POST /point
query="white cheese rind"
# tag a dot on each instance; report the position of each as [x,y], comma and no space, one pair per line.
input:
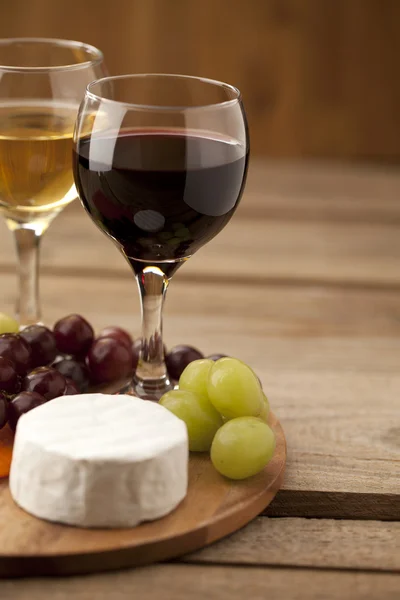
[96,460]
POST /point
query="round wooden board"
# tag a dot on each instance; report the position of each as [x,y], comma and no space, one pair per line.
[213,508]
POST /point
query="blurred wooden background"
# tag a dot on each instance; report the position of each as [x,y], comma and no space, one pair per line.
[319,77]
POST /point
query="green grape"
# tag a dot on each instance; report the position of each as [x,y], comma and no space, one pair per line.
[164,236]
[195,376]
[242,447]
[8,324]
[264,414]
[183,232]
[175,241]
[177,226]
[201,418]
[234,389]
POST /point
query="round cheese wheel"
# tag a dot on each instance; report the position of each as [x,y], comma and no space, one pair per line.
[99,460]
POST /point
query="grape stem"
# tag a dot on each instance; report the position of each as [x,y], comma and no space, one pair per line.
[151,379]
[27,243]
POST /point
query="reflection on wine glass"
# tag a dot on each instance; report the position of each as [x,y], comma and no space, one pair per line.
[160,163]
[42,82]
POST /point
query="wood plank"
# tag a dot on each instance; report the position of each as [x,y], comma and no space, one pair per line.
[321,191]
[313,230]
[178,582]
[341,254]
[305,329]
[329,367]
[317,80]
[316,543]
[328,505]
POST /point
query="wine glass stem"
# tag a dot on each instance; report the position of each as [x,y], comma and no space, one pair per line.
[27,243]
[151,378]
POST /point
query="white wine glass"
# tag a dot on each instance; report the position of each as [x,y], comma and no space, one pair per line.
[42,82]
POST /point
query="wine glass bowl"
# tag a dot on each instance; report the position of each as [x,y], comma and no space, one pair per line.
[160,164]
[42,82]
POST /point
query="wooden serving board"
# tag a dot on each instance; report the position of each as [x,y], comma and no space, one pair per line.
[213,508]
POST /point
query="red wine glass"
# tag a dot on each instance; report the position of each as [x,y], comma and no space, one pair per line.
[160,164]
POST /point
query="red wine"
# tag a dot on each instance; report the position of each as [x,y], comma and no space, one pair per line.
[160,194]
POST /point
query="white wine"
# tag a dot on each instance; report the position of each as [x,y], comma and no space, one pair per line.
[36,177]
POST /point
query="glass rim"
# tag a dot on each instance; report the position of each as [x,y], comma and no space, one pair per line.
[59,42]
[160,107]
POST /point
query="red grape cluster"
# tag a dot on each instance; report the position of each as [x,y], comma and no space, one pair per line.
[38,364]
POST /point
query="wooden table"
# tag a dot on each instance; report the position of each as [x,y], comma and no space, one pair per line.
[304,284]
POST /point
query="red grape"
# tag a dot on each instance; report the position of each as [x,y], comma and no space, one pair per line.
[46,381]
[136,347]
[16,349]
[179,357]
[109,360]
[117,333]
[21,404]
[74,335]
[42,343]
[74,370]
[4,410]
[9,380]
[216,357]
[71,388]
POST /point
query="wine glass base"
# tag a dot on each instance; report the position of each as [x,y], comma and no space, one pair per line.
[148,389]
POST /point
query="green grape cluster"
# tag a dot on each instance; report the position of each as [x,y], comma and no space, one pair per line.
[226,413]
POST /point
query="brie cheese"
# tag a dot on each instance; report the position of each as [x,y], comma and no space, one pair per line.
[99,460]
